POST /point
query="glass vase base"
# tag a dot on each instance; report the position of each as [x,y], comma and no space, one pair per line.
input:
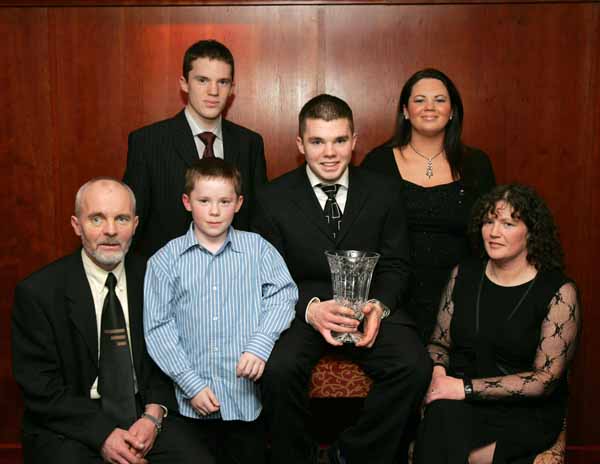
[346,337]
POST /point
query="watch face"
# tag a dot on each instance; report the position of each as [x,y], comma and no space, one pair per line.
[468,390]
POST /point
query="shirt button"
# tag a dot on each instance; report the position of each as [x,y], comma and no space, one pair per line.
[216,349]
[215,288]
[215,318]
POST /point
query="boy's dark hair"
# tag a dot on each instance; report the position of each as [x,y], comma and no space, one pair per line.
[325,107]
[212,168]
[210,49]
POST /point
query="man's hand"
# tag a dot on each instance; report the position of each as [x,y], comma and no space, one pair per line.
[205,402]
[250,366]
[328,316]
[146,433]
[145,430]
[122,447]
[444,387]
[371,324]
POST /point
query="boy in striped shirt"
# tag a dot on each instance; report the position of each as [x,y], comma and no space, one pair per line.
[216,300]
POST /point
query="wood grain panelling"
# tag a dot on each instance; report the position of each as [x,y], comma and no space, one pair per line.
[76,81]
[28,170]
[584,249]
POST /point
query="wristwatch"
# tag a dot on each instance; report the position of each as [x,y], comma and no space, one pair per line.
[155,420]
[468,388]
[384,308]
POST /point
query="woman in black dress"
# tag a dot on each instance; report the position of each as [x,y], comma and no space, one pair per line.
[441,178]
[505,335]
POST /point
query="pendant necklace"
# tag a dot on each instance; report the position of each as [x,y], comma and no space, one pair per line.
[429,170]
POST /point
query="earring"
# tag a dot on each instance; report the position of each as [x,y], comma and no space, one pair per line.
[450,118]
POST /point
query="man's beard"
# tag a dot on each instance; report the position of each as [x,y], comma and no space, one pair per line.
[113,258]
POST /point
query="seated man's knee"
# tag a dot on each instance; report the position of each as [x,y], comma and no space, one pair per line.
[283,369]
[419,369]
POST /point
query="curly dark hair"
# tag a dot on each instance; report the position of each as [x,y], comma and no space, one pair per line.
[544,250]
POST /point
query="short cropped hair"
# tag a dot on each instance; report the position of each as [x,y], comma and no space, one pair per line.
[544,250]
[210,49]
[212,168]
[89,183]
[327,108]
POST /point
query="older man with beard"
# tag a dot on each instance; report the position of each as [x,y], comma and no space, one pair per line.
[91,392]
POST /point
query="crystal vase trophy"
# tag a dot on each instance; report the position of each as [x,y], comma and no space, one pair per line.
[351,273]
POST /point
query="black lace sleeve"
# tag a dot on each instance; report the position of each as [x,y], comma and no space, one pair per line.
[440,342]
[558,339]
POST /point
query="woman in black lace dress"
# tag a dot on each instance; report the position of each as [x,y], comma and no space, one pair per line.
[441,178]
[505,335]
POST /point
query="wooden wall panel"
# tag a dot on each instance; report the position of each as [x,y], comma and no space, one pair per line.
[76,81]
[28,171]
[584,252]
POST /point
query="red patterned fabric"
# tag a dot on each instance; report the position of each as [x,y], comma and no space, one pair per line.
[338,377]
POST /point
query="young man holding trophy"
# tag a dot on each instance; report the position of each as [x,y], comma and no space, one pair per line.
[328,205]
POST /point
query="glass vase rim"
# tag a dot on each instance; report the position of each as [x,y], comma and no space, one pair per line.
[352,254]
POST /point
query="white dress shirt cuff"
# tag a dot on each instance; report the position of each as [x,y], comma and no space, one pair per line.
[314,299]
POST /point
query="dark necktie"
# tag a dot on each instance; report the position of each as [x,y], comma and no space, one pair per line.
[208,138]
[115,373]
[332,211]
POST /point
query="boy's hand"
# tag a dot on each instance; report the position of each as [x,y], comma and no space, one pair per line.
[205,402]
[250,366]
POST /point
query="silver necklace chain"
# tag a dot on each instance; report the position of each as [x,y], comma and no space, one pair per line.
[429,170]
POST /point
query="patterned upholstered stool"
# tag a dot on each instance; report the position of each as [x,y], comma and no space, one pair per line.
[337,377]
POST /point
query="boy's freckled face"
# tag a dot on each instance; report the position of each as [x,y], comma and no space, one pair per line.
[213,203]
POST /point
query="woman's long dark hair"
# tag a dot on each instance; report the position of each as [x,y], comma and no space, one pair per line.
[452,137]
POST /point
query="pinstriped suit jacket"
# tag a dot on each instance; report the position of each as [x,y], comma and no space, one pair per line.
[157,159]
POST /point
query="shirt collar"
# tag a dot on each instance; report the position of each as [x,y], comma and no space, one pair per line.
[232,240]
[314,179]
[97,276]
[198,129]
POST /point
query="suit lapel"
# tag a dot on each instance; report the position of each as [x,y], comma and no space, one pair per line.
[80,305]
[305,199]
[231,144]
[183,140]
[355,201]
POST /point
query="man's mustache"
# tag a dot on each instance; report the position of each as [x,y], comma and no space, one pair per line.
[110,242]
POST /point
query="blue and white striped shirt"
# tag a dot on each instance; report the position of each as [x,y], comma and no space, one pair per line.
[203,310]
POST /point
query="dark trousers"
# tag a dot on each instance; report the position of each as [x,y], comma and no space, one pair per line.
[175,444]
[397,363]
[228,442]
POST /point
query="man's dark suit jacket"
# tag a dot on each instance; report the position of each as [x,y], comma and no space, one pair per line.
[291,218]
[55,351]
[157,159]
